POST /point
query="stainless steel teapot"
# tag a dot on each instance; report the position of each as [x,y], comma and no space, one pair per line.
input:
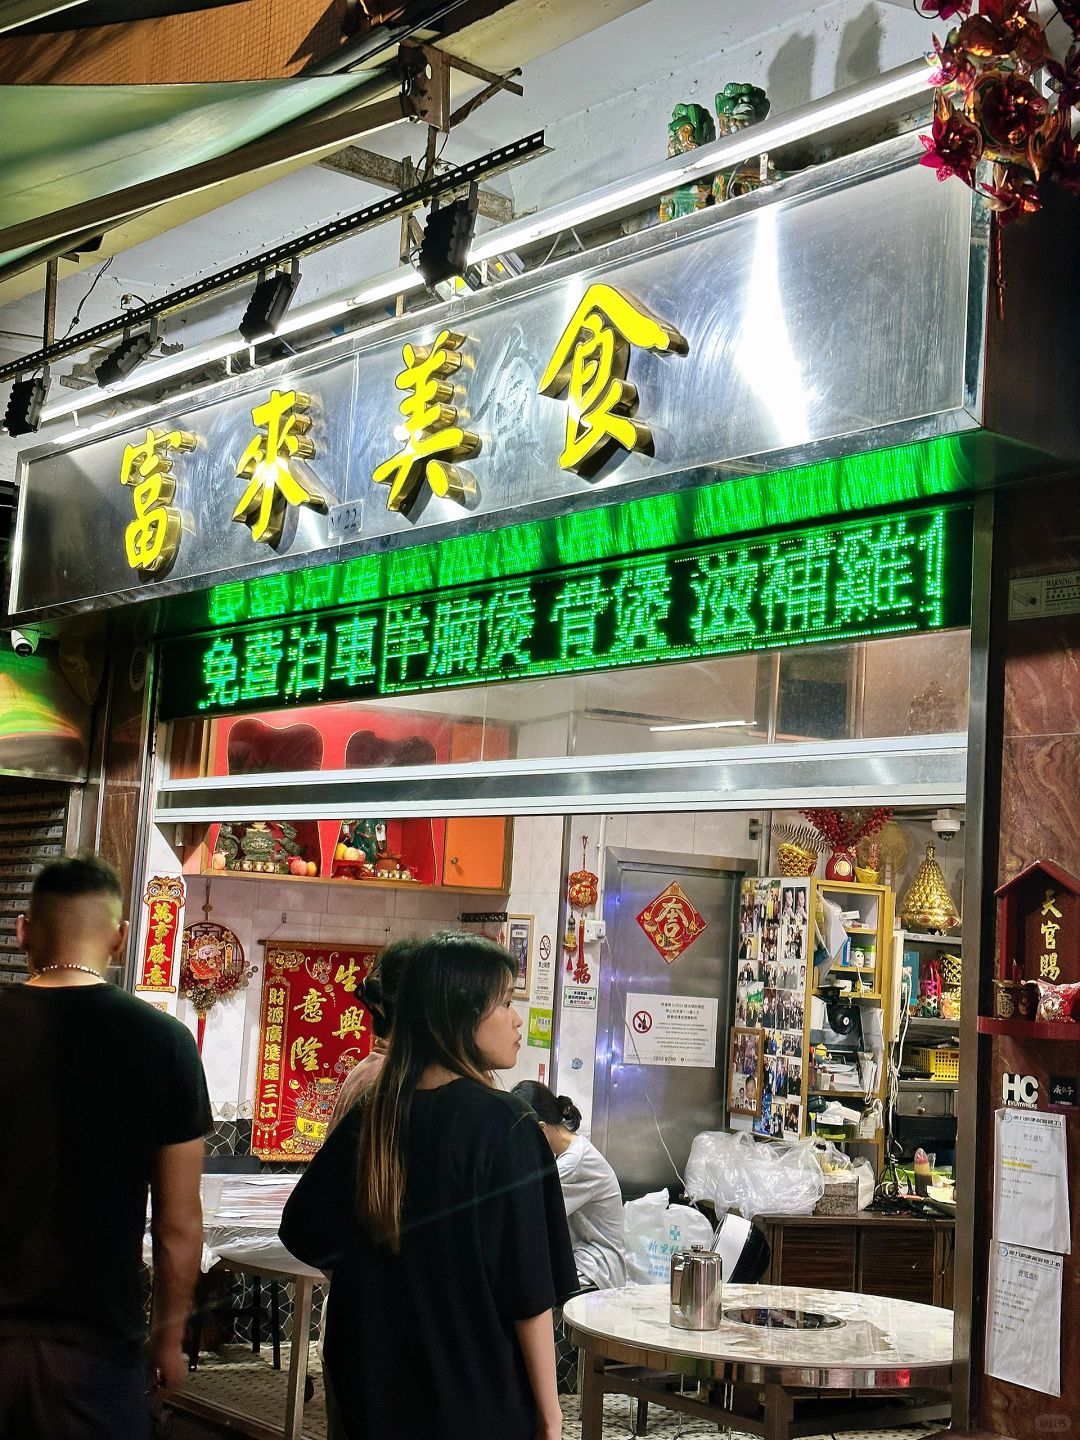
[696,1289]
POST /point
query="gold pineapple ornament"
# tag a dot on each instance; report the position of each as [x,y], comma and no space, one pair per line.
[928,904]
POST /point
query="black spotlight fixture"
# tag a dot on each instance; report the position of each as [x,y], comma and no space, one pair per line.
[23,413]
[448,233]
[269,301]
[132,351]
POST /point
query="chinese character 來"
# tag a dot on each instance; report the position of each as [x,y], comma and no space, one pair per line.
[433,435]
[267,464]
[590,365]
[153,537]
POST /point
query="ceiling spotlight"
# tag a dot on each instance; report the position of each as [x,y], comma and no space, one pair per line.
[132,351]
[269,301]
[23,413]
[448,233]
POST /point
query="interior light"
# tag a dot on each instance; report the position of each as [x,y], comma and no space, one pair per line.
[706,725]
[23,413]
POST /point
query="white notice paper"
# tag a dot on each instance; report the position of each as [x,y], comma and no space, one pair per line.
[1023,1320]
[1031,1190]
[670,1030]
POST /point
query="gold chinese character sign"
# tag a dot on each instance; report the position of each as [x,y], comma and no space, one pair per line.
[433,435]
[590,366]
[268,466]
[153,537]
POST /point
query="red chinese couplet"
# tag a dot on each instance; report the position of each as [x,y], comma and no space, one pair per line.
[165,898]
[313,1030]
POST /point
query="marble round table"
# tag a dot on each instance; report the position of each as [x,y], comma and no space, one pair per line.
[880,1346]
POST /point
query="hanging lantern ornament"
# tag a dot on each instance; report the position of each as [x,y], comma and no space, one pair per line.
[211,966]
[581,894]
[928,905]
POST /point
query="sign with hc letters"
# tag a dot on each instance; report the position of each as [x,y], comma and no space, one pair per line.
[313,1030]
[1021,1091]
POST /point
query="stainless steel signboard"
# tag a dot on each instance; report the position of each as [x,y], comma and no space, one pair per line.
[825,317]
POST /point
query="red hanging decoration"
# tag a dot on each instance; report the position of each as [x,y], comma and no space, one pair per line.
[211,966]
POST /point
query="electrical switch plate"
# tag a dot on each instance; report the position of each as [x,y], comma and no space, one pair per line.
[595,930]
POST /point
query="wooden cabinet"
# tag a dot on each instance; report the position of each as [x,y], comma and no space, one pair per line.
[477,852]
[904,1257]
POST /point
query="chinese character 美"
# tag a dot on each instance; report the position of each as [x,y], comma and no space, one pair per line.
[508,619]
[351,1023]
[311,1006]
[590,364]
[354,650]
[1048,906]
[1048,966]
[267,465]
[346,975]
[305,1053]
[153,537]
[432,433]
[725,585]
[455,650]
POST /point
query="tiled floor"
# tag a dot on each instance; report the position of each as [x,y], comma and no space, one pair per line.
[249,1384]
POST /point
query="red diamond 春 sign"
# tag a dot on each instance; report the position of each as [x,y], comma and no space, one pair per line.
[671,922]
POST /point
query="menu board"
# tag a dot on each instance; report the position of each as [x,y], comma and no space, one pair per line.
[32,828]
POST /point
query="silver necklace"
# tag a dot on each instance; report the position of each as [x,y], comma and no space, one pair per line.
[86,970]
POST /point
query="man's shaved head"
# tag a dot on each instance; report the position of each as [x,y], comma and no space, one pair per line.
[74,904]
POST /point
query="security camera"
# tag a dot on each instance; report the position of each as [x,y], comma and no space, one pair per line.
[946,824]
[24,642]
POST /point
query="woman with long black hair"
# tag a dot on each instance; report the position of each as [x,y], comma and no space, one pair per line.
[437,1206]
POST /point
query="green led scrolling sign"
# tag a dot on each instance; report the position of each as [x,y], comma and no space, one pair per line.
[846,581]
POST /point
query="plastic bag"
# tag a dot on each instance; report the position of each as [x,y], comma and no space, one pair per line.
[735,1172]
[654,1231]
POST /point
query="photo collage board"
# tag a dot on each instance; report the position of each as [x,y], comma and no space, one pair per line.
[774,930]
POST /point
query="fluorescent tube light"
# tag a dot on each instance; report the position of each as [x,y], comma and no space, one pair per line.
[705,725]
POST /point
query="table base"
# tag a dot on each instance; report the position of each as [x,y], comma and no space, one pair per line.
[772,1411]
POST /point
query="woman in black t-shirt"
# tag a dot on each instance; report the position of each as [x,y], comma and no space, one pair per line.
[437,1205]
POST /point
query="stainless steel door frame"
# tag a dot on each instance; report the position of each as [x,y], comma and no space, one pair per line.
[618,862]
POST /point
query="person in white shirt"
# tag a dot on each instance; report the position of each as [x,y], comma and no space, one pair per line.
[591,1193]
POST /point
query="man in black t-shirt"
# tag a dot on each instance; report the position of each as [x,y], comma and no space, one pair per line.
[103,1098]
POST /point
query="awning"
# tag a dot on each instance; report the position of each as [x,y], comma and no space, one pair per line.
[78,159]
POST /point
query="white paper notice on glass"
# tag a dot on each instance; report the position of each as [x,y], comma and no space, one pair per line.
[1023,1320]
[670,1030]
[1031,1175]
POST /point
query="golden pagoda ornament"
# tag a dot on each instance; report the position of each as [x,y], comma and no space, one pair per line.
[928,905]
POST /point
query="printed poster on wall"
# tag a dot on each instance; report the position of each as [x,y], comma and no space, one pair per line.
[670,1030]
[1023,1318]
[313,1030]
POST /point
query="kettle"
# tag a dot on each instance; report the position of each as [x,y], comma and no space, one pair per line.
[696,1289]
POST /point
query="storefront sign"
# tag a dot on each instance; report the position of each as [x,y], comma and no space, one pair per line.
[676,1030]
[164,898]
[667,360]
[823,583]
[313,1030]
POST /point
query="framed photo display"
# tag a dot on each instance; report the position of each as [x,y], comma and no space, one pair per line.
[744,1076]
[519,941]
